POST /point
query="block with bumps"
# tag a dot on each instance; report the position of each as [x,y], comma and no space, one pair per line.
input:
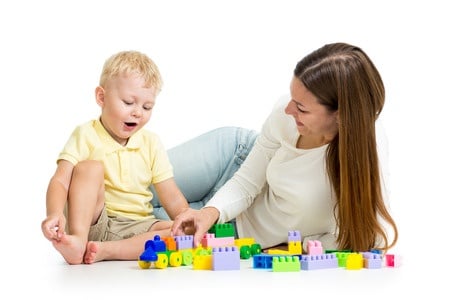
[320,261]
[225,258]
[285,264]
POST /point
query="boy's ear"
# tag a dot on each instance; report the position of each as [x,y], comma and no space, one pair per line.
[100,96]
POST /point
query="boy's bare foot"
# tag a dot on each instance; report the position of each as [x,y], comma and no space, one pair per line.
[71,248]
[92,254]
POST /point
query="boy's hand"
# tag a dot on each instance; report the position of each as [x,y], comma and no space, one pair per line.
[53,227]
[195,222]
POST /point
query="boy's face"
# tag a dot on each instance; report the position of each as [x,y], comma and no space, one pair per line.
[126,106]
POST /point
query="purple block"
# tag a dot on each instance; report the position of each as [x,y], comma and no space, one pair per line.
[226,258]
[320,261]
[372,260]
[184,242]
[294,236]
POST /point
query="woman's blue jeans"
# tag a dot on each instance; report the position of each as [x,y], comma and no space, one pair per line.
[203,164]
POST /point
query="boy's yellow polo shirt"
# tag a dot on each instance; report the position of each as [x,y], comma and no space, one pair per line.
[129,170]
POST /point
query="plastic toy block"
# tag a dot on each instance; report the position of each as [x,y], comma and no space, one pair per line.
[321,261]
[156,244]
[202,262]
[354,261]
[184,242]
[225,258]
[294,235]
[372,260]
[295,247]
[278,251]
[342,258]
[170,243]
[187,257]
[314,247]
[391,260]
[223,230]
[335,250]
[285,264]
[262,261]
[244,242]
[209,240]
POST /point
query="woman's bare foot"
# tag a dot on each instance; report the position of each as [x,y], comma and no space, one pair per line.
[71,248]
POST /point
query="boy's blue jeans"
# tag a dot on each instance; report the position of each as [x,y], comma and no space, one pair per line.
[203,164]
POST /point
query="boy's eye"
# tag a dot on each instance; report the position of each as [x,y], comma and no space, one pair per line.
[127,102]
[148,107]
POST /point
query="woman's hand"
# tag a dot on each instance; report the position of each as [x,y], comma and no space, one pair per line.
[195,222]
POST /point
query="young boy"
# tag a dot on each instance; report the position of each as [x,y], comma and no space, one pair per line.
[98,200]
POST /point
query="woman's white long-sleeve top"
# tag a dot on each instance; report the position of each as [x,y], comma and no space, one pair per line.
[280,188]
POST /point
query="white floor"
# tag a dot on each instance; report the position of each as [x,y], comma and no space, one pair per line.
[38,270]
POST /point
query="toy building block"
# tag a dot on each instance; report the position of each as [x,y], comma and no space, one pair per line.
[225,258]
[295,247]
[247,247]
[151,248]
[342,258]
[320,261]
[278,252]
[170,243]
[354,261]
[209,240]
[202,262]
[314,247]
[184,242]
[294,235]
[285,264]
[391,260]
[262,261]
[372,260]
[222,230]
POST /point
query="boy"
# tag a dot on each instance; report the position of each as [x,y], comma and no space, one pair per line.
[98,200]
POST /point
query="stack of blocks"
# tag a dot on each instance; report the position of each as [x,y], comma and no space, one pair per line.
[220,250]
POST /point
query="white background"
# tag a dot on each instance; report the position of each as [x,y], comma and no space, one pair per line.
[223,63]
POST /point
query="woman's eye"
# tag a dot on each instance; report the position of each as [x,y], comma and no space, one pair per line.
[300,110]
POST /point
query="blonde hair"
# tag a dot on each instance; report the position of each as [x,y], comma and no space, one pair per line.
[132,62]
[344,79]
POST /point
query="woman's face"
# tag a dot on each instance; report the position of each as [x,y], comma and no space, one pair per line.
[312,118]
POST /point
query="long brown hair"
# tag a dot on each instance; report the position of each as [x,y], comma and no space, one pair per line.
[344,78]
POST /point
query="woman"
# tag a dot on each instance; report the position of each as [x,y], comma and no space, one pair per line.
[314,167]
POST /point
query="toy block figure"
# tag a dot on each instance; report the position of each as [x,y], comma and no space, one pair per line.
[262,261]
[314,247]
[285,264]
[184,242]
[294,236]
[223,230]
[354,261]
[372,260]
[225,258]
[321,261]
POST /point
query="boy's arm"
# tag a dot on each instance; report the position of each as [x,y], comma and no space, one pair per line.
[171,198]
[56,198]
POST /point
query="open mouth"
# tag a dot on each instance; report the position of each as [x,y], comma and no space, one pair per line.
[130,124]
